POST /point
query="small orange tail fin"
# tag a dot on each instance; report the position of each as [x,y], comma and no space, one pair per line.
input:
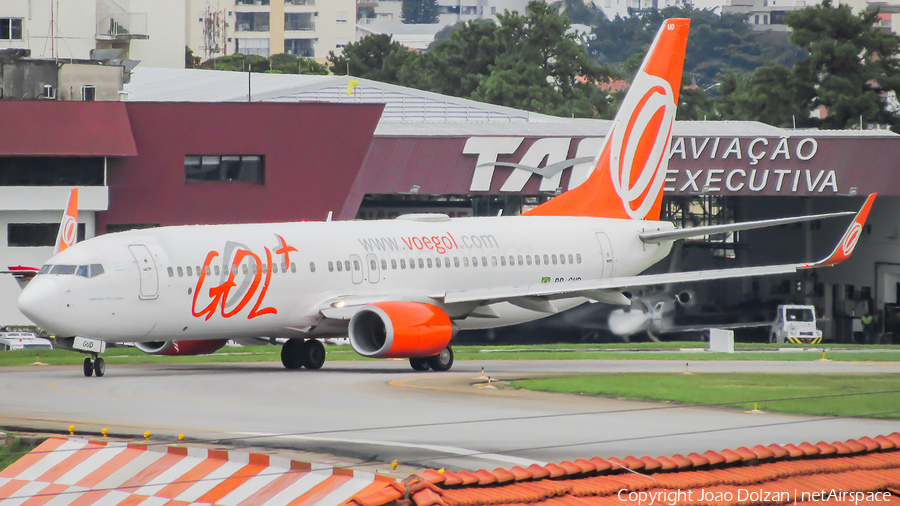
[628,176]
[68,226]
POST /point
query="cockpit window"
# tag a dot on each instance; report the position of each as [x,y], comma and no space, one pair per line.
[96,270]
[88,271]
[63,269]
[83,271]
[45,269]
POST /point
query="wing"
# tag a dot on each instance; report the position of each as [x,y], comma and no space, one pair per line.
[605,290]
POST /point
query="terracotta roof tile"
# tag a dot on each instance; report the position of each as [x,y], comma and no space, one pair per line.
[520,473]
[388,492]
[451,479]
[538,472]
[570,468]
[825,448]
[432,476]
[869,443]
[731,456]
[650,464]
[601,464]
[697,459]
[633,463]
[666,463]
[484,477]
[895,438]
[681,461]
[502,475]
[467,477]
[842,448]
[762,452]
[886,443]
[586,466]
[617,463]
[555,470]
[713,457]
[777,451]
[809,449]
[746,453]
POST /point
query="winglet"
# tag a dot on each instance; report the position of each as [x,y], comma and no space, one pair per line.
[68,226]
[845,247]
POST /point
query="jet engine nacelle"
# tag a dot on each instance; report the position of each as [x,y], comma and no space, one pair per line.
[181,348]
[400,329]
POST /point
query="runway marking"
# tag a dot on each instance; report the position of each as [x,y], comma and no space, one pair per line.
[452,450]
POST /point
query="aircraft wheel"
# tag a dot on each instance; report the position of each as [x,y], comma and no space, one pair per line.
[99,367]
[419,363]
[312,354]
[290,354]
[88,367]
[443,361]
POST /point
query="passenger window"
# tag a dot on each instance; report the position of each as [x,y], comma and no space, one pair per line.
[171,272]
[537,260]
[252,268]
[578,257]
[503,261]
[356,265]
[562,259]
[216,270]
[403,263]
[347,265]
[199,270]
[528,259]
[512,260]
[421,264]
[82,271]
[455,261]
[484,261]
[331,266]
[294,267]
[96,270]
[208,271]
[373,264]
[521,260]
[547,260]
[428,261]
[244,268]
[180,272]
[466,261]
[393,264]
[274,268]
[283,267]
[312,267]
[384,265]
[494,261]
[190,272]
[571,259]
[474,261]
[553,259]
[447,262]
[340,266]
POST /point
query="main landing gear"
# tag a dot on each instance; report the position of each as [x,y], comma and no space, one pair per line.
[441,362]
[308,353]
[94,365]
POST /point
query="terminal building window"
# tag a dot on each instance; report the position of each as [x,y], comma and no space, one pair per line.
[10,28]
[20,235]
[51,171]
[241,168]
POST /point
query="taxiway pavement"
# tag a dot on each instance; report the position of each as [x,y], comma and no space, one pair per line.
[382,410]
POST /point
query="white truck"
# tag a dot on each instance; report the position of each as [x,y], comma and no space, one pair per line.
[23,341]
[795,324]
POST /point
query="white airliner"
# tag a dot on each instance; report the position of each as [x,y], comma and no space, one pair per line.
[402,287]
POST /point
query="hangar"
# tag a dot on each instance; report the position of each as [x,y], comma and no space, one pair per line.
[190,149]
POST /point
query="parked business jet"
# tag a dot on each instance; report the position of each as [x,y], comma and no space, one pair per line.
[402,287]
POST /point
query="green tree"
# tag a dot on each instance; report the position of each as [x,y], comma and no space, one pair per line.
[543,68]
[852,65]
[419,11]
[190,61]
[772,95]
[289,64]
[374,57]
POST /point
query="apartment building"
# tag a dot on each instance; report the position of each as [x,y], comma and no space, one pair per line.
[151,31]
[309,28]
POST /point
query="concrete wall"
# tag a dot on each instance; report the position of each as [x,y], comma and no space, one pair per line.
[106,79]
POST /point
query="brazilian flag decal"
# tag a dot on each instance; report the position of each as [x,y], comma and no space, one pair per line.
[545,280]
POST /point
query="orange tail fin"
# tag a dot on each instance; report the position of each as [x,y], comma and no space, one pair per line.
[68,226]
[628,176]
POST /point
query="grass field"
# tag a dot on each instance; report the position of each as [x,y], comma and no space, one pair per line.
[615,351]
[13,450]
[814,394]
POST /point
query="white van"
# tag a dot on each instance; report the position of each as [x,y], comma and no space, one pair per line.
[795,324]
[23,341]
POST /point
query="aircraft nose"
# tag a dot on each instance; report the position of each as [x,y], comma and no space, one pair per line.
[39,301]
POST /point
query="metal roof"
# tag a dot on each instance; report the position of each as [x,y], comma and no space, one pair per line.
[402,104]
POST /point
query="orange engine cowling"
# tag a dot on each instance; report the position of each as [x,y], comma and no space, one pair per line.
[181,348]
[400,329]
